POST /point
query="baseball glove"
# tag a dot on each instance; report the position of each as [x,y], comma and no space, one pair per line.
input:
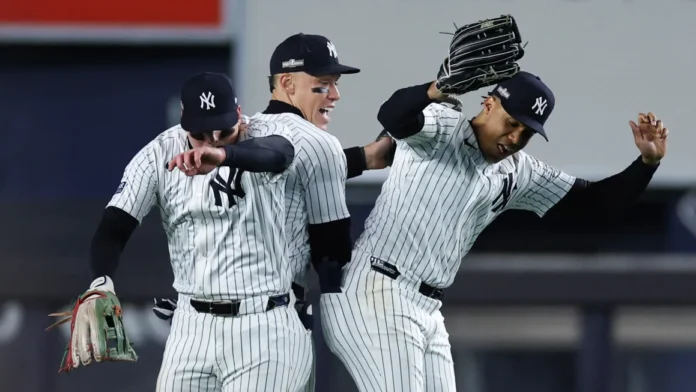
[96,330]
[481,54]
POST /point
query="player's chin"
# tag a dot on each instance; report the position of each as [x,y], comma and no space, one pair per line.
[322,123]
[495,156]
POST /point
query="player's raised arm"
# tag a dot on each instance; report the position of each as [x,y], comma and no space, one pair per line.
[620,191]
[272,154]
[409,114]
[269,150]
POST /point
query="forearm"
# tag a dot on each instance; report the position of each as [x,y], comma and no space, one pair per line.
[112,234]
[265,154]
[402,114]
[609,196]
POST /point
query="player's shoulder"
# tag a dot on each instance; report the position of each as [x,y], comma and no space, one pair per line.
[260,127]
[316,141]
[521,162]
[443,109]
[171,141]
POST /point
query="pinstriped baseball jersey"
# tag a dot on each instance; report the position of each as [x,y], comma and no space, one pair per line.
[441,193]
[315,189]
[225,238]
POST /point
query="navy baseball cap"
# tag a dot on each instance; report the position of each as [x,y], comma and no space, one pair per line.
[313,54]
[208,103]
[527,99]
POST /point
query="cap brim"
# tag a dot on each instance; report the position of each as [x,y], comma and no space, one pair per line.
[532,124]
[220,122]
[334,69]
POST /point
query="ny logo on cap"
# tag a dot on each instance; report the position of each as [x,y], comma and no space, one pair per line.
[539,106]
[207,100]
[332,49]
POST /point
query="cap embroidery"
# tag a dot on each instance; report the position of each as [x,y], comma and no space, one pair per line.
[208,101]
[332,49]
[292,63]
[539,106]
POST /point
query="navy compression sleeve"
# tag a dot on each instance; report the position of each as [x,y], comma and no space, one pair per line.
[402,114]
[356,161]
[108,242]
[271,154]
[608,196]
[331,241]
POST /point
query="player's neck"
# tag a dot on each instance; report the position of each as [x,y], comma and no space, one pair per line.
[286,99]
[282,98]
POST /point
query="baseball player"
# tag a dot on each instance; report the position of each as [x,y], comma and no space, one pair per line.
[452,176]
[304,71]
[219,187]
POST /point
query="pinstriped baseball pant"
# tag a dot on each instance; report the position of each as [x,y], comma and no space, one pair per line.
[390,337]
[256,352]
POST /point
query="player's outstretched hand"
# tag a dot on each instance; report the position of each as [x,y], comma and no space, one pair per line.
[201,160]
[650,135]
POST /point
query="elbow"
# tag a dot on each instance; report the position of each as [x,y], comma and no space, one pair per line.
[385,116]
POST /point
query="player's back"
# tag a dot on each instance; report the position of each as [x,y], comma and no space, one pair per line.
[225,239]
[437,199]
[316,153]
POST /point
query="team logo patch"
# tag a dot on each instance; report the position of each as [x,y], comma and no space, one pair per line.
[120,187]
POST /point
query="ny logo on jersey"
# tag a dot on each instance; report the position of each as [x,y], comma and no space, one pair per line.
[332,49]
[207,100]
[539,106]
[504,195]
[219,186]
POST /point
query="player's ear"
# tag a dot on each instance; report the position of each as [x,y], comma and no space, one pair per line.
[488,104]
[285,81]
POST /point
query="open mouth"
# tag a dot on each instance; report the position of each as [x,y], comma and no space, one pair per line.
[505,150]
[325,112]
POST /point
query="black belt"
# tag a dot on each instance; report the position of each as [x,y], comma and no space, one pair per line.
[299,292]
[231,308]
[390,271]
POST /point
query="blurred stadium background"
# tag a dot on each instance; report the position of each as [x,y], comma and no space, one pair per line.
[542,306]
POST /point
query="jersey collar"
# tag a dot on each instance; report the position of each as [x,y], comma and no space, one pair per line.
[278,107]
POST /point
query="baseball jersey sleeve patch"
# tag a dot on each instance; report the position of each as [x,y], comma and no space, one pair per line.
[120,187]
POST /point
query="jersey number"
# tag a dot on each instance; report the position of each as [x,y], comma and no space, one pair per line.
[504,195]
[220,185]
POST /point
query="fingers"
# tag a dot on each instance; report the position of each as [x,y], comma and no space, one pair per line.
[187,162]
[637,134]
[665,132]
[178,162]
[198,155]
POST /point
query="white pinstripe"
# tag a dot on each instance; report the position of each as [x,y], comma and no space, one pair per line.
[315,189]
[315,192]
[258,351]
[223,246]
[440,195]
